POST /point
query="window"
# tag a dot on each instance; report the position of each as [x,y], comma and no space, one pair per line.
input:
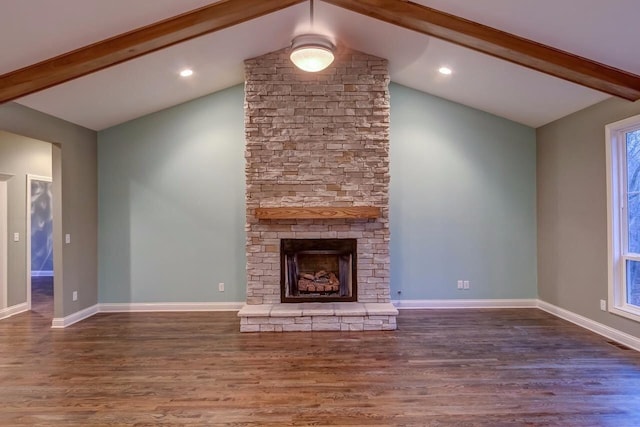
[623,191]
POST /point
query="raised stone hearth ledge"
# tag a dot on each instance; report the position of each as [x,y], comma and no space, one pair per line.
[355,212]
[339,316]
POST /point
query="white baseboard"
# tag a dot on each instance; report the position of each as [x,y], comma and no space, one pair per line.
[170,306]
[63,322]
[42,273]
[600,329]
[464,303]
[606,331]
[13,310]
[142,307]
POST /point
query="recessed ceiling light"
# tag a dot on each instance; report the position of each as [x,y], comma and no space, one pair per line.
[186,72]
[445,70]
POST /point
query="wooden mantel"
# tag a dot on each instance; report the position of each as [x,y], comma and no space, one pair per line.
[296,212]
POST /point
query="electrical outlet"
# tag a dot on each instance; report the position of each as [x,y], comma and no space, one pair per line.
[75,295]
[460,284]
[465,284]
[603,304]
[67,238]
[16,237]
[221,287]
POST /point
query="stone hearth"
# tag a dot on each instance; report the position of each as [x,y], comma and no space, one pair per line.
[317,140]
[337,316]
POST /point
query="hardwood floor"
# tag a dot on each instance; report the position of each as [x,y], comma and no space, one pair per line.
[441,368]
[42,296]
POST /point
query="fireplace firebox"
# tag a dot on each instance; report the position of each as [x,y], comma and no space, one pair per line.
[318,270]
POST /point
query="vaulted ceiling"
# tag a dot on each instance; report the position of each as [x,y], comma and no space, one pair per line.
[36,30]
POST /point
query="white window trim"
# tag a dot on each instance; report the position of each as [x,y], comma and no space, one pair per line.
[616,216]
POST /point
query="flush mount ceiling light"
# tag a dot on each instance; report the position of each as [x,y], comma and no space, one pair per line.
[445,70]
[311,52]
[186,72]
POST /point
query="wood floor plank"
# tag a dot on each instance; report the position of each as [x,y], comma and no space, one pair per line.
[502,367]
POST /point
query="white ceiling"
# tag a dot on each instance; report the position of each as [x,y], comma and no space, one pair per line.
[39,29]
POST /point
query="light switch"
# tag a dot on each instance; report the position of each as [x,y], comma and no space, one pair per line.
[16,237]
[67,238]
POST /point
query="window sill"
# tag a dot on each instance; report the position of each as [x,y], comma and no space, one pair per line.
[630,312]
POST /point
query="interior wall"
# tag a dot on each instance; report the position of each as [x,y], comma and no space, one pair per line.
[172,194]
[572,212]
[75,184]
[462,201]
[20,156]
[172,204]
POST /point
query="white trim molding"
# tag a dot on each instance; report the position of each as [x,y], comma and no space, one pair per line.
[591,325]
[619,250]
[169,306]
[600,329]
[13,310]
[4,242]
[63,322]
[31,177]
[464,303]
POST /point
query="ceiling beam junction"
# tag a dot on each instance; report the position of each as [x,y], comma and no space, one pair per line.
[405,14]
[500,44]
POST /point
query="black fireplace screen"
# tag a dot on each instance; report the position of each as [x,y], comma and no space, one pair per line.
[320,270]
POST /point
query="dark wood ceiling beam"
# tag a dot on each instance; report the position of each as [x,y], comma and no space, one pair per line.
[403,13]
[499,44]
[133,44]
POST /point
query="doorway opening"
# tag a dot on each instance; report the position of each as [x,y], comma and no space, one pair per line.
[40,245]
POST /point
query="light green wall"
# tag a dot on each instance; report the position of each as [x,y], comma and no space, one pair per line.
[74,158]
[172,195]
[572,212]
[172,207]
[462,201]
[20,156]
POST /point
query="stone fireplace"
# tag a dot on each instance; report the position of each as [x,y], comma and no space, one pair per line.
[317,181]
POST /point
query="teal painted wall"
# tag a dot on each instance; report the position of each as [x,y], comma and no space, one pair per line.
[171,191]
[462,201]
[171,201]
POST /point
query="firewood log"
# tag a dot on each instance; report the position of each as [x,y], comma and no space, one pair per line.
[303,285]
[320,274]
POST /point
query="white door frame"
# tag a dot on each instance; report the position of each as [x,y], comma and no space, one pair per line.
[4,240]
[28,233]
